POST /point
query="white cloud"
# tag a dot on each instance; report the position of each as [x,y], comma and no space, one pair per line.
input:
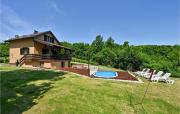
[11,23]
[56,7]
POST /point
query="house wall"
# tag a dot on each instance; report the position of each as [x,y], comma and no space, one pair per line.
[38,48]
[57,64]
[47,64]
[42,38]
[31,64]
[14,50]
[53,64]
[66,64]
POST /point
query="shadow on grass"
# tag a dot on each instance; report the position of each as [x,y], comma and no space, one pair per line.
[19,89]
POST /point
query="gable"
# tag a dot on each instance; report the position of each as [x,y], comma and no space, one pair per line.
[48,37]
[36,35]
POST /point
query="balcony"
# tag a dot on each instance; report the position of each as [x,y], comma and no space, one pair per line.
[45,57]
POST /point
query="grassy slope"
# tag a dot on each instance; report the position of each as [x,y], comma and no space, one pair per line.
[21,87]
[82,95]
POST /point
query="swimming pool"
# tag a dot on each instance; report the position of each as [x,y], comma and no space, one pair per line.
[105,74]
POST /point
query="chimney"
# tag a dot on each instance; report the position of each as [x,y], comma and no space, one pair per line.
[35,31]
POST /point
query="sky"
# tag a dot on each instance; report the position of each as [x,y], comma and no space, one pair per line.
[141,22]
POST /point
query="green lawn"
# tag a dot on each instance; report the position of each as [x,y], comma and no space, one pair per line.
[49,92]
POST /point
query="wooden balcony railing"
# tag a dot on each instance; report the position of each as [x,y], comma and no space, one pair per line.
[42,57]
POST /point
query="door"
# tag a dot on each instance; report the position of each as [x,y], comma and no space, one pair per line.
[69,64]
[62,64]
[45,51]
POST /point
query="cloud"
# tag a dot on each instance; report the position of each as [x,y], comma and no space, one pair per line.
[56,7]
[12,23]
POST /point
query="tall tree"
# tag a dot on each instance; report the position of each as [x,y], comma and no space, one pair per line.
[126,44]
[4,49]
[97,44]
[110,43]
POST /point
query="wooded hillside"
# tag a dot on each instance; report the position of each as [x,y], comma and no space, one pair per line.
[125,56]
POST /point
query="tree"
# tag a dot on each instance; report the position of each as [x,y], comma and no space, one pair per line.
[110,43]
[66,44]
[80,50]
[129,59]
[4,49]
[105,57]
[97,44]
[126,44]
[4,52]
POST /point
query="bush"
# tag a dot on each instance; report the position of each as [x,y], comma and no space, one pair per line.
[4,59]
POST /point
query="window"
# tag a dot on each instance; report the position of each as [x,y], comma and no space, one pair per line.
[24,51]
[52,40]
[48,39]
[45,37]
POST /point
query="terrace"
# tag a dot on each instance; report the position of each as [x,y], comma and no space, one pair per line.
[83,70]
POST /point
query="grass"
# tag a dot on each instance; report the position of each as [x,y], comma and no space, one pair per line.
[48,92]
[21,88]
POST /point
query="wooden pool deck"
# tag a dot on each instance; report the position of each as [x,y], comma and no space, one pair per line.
[122,75]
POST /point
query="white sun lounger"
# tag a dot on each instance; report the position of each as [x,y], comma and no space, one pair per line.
[147,75]
[165,78]
[155,77]
[143,73]
[138,72]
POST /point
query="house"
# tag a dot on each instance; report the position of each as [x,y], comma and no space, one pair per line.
[40,49]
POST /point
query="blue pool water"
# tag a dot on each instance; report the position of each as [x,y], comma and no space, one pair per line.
[105,74]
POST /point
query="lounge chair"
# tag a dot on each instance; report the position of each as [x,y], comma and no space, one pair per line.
[156,77]
[165,78]
[138,72]
[169,81]
[147,75]
[143,73]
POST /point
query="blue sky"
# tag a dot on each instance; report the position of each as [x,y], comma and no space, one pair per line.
[140,22]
